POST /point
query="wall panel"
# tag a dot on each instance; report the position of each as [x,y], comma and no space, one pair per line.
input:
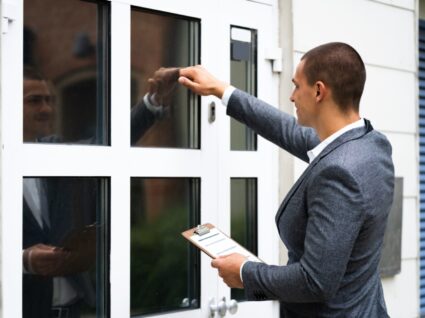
[377,31]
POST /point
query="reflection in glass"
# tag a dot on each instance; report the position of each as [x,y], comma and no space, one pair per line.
[66,71]
[243,226]
[243,75]
[65,247]
[164,267]
[164,40]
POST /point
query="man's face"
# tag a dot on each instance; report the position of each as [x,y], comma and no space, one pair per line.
[38,110]
[304,98]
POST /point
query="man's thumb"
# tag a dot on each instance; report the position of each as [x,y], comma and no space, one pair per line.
[185,81]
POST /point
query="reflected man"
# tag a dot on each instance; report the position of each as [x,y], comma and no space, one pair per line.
[56,278]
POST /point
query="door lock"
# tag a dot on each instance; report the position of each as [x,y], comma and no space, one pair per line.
[211,112]
[222,307]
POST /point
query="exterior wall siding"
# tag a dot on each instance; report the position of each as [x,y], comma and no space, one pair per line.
[1,169]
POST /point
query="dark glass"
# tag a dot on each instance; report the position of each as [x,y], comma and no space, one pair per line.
[165,269]
[243,226]
[243,75]
[66,71]
[164,40]
[65,247]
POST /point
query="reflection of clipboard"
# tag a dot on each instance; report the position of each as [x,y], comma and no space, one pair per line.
[215,243]
[80,238]
[81,243]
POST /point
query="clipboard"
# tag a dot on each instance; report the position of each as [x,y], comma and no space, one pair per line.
[81,243]
[213,242]
[80,238]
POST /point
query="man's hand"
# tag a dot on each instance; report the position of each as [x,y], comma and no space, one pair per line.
[49,260]
[45,260]
[163,84]
[201,82]
[229,269]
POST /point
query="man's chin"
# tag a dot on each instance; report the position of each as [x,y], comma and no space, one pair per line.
[303,123]
[44,131]
[300,122]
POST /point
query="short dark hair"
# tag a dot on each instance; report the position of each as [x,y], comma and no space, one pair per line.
[31,73]
[340,67]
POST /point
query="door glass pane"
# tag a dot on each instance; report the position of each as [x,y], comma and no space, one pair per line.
[65,247]
[243,75]
[165,272]
[163,40]
[243,226]
[65,90]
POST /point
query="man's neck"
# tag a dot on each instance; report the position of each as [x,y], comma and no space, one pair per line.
[333,120]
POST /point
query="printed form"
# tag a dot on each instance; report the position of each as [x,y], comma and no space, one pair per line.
[216,244]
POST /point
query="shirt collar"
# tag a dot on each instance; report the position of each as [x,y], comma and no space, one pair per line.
[313,153]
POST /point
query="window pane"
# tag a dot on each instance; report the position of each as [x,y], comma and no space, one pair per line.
[243,204]
[65,247]
[165,272]
[163,40]
[65,93]
[243,75]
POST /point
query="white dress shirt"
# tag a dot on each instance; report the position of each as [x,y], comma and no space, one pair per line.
[313,153]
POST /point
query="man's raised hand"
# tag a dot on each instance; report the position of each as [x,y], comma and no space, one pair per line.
[201,82]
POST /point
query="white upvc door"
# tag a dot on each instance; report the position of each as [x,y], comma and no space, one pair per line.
[261,164]
[214,164]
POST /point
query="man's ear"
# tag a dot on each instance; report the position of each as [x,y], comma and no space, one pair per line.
[321,91]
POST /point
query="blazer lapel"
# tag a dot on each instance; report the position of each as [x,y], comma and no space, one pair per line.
[349,135]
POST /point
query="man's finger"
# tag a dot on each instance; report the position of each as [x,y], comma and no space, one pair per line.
[186,72]
[185,81]
[215,263]
[153,86]
[188,83]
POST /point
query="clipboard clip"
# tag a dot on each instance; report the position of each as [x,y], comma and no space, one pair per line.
[202,229]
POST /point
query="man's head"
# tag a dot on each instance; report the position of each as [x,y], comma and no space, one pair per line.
[335,69]
[341,68]
[38,106]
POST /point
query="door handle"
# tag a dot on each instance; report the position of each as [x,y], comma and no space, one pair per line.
[222,307]
[232,306]
[211,112]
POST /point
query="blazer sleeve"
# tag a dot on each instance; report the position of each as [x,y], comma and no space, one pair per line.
[335,217]
[141,120]
[272,124]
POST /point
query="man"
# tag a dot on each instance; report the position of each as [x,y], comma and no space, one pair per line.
[333,219]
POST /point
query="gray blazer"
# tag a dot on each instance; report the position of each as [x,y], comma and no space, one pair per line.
[332,220]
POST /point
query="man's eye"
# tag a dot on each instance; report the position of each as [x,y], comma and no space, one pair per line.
[39,99]
[35,99]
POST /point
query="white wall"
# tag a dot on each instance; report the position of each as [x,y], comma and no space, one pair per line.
[384,33]
[1,142]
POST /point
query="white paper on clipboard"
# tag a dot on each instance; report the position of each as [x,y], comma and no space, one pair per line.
[215,243]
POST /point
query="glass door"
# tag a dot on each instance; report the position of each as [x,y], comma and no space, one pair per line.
[91,156]
[186,168]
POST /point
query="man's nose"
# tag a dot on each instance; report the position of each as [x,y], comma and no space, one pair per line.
[46,107]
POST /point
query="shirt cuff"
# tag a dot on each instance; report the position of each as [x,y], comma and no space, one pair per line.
[240,270]
[226,95]
[26,264]
[155,110]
